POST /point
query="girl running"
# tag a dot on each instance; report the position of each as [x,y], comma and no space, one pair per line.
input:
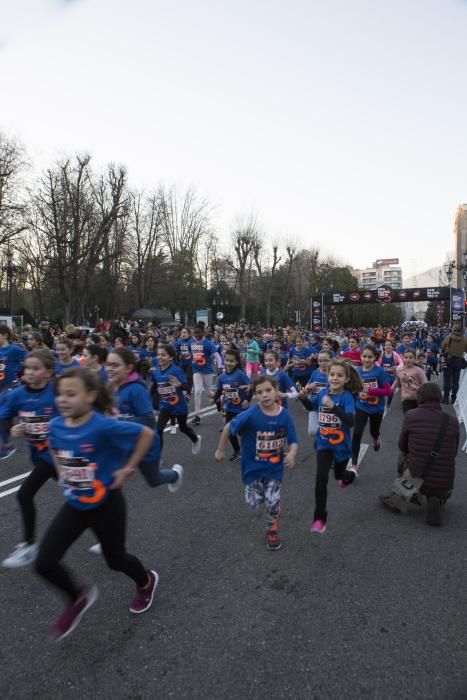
[300,360]
[253,352]
[94,456]
[286,388]
[183,348]
[233,385]
[354,352]
[170,382]
[336,407]
[318,382]
[95,357]
[409,378]
[370,402]
[133,403]
[64,351]
[34,406]
[390,360]
[264,429]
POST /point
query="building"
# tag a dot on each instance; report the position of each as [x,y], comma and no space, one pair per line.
[460,243]
[384,271]
[430,278]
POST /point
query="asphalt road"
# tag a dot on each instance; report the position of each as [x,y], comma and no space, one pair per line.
[375,608]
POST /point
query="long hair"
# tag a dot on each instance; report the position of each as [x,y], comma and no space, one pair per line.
[92,382]
[353,381]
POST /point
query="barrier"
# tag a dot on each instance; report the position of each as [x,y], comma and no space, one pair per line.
[460,405]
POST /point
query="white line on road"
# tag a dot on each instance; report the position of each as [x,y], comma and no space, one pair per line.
[15,478]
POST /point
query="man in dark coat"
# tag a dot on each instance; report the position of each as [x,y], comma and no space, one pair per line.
[420,430]
[453,347]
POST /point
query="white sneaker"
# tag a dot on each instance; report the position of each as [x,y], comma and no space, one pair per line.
[196,446]
[22,555]
[176,484]
[96,548]
[354,469]
[173,430]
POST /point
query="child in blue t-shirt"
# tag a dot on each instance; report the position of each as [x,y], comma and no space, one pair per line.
[94,455]
[285,385]
[333,444]
[318,381]
[233,386]
[63,350]
[133,403]
[370,401]
[33,405]
[170,382]
[265,429]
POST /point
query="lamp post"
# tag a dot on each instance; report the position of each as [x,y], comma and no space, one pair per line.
[449,270]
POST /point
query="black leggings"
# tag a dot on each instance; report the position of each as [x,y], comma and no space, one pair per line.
[361,418]
[324,461]
[233,439]
[108,522]
[41,473]
[163,419]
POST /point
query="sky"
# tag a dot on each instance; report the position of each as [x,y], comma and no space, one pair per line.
[339,123]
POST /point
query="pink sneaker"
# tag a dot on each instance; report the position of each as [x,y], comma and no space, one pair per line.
[144,596]
[71,616]
[343,484]
[318,526]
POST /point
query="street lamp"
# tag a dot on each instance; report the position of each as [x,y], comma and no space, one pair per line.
[12,270]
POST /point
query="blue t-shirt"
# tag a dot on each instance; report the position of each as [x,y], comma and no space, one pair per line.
[135,350]
[401,348]
[89,454]
[321,381]
[202,351]
[263,442]
[183,349]
[285,384]
[35,408]
[332,433]
[374,378]
[432,350]
[133,402]
[60,368]
[149,356]
[11,357]
[299,365]
[172,398]
[229,383]
[389,366]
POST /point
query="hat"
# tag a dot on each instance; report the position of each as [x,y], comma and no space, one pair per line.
[44,323]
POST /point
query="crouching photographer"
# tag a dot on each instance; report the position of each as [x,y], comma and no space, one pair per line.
[430,439]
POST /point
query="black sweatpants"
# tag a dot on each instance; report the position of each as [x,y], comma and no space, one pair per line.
[108,522]
[40,474]
[233,439]
[361,418]
[163,419]
[324,461]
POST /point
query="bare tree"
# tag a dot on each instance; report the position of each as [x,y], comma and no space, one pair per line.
[245,238]
[291,250]
[146,228]
[267,274]
[12,163]
[75,212]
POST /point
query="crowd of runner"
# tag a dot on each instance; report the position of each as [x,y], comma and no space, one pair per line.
[93,407]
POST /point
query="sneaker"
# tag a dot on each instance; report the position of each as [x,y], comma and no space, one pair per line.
[144,596]
[433,515]
[377,444]
[318,526]
[71,616]
[22,555]
[235,457]
[343,484]
[354,469]
[7,450]
[196,420]
[173,430]
[196,446]
[272,540]
[175,485]
[96,548]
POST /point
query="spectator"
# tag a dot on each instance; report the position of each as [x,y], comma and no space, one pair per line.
[454,346]
[418,439]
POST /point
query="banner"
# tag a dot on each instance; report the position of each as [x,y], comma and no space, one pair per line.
[457,304]
[316,315]
[385,294]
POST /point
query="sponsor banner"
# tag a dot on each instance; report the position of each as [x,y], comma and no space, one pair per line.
[385,294]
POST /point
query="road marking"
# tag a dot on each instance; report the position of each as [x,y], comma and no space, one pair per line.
[15,478]
[204,412]
[361,454]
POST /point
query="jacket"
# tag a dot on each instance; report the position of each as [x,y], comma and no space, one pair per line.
[454,344]
[417,439]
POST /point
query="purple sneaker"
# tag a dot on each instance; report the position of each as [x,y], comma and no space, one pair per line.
[144,596]
[71,616]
